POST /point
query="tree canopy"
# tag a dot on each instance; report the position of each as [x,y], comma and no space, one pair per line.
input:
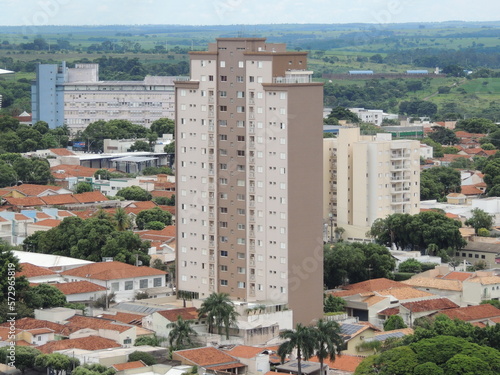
[438,182]
[134,193]
[155,214]
[479,219]
[419,231]
[220,313]
[355,262]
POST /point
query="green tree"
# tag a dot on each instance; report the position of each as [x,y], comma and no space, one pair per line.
[148,340]
[33,171]
[140,146]
[479,219]
[411,266]
[25,356]
[341,113]
[45,296]
[443,136]
[394,322]
[465,365]
[334,304]
[153,214]
[145,357]
[104,301]
[447,180]
[8,176]
[328,341]
[134,193]
[58,362]
[401,360]
[476,125]
[83,187]
[428,368]
[154,225]
[301,338]
[220,313]
[9,265]
[181,334]
[170,148]
[122,219]
[493,302]
[163,126]
[93,369]
[102,174]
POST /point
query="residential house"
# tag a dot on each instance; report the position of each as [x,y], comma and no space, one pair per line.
[33,324]
[344,364]
[128,365]
[471,192]
[34,190]
[410,311]
[469,140]
[483,286]
[483,314]
[37,274]
[5,230]
[81,291]
[451,289]
[67,175]
[255,358]
[26,337]
[210,359]
[19,224]
[122,279]
[127,318]
[456,198]
[356,334]
[83,326]
[159,320]
[86,343]
[42,226]
[469,177]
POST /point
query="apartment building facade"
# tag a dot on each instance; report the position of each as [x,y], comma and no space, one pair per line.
[366,178]
[75,97]
[249,133]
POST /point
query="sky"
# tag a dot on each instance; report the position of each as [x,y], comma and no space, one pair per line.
[227,12]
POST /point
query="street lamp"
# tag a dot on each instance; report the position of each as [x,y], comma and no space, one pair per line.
[330,216]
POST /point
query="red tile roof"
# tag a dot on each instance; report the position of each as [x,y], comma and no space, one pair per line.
[375,284]
[127,318]
[464,134]
[128,365]
[61,151]
[25,201]
[430,305]
[90,197]
[78,322]
[389,311]
[143,205]
[164,234]
[33,190]
[52,223]
[85,343]
[461,276]
[112,271]
[77,287]
[207,357]
[162,193]
[60,199]
[30,270]
[42,215]
[344,362]
[471,190]
[471,313]
[186,313]
[65,170]
[30,323]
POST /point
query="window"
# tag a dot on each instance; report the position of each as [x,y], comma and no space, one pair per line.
[223,94]
[241,270]
[223,253]
[223,210]
[240,94]
[241,64]
[223,78]
[115,287]
[210,78]
[240,241]
[223,282]
[143,283]
[241,138]
[241,182]
[241,211]
[223,108]
[222,64]
[241,255]
[240,79]
[223,181]
[223,137]
[240,109]
[223,268]
[223,239]
[129,285]
[223,122]
[241,284]
[241,153]
[223,166]
[251,79]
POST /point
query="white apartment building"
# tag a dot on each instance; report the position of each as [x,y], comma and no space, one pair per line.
[249,133]
[373,116]
[76,97]
[368,177]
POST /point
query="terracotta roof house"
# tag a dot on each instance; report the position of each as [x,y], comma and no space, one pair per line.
[30,323]
[209,358]
[127,318]
[342,364]
[473,314]
[123,279]
[35,190]
[61,152]
[128,365]
[410,311]
[37,274]
[86,343]
[81,291]
[90,197]
[374,285]
[42,225]
[158,321]
[356,334]
[60,200]
[481,287]
[82,326]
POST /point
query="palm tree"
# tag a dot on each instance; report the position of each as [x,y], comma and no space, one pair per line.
[327,340]
[122,219]
[181,333]
[303,338]
[220,312]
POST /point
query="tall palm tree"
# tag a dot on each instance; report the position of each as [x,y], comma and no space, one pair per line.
[122,220]
[181,333]
[303,338]
[220,312]
[327,340]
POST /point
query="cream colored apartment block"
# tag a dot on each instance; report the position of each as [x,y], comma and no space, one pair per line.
[248,129]
[366,178]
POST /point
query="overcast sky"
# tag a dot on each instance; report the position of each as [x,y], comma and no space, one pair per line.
[224,12]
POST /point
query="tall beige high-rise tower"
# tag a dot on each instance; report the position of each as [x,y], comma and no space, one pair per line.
[366,178]
[249,177]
